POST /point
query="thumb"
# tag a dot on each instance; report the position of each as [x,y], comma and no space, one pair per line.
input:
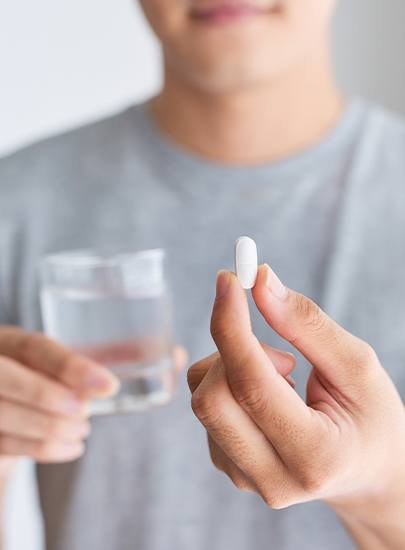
[334,352]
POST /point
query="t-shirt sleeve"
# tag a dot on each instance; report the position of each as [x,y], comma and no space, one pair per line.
[4,317]
[5,314]
[14,180]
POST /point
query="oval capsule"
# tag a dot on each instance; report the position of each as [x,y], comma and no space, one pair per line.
[246,262]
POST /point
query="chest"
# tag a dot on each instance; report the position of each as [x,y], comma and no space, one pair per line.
[303,241]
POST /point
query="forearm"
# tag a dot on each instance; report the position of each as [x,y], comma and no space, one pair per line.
[386,534]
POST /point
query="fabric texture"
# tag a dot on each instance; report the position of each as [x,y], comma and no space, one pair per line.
[330,221]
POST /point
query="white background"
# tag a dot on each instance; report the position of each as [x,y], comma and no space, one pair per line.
[64,62]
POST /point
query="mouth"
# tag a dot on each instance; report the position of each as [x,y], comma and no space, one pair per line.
[221,12]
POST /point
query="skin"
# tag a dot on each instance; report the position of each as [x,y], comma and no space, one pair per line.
[251,91]
[345,445]
[269,94]
[45,389]
[255,91]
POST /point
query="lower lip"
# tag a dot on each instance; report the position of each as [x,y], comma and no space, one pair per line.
[227,15]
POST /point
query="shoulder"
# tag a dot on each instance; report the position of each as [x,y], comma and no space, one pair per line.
[377,172]
[74,152]
[383,141]
[387,124]
[378,157]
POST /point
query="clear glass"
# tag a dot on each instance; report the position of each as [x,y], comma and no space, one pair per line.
[114,308]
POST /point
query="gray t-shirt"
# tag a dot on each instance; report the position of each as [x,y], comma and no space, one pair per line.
[331,221]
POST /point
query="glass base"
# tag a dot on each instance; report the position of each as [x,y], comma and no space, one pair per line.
[129,403]
[140,390]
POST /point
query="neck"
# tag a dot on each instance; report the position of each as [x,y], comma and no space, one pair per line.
[255,125]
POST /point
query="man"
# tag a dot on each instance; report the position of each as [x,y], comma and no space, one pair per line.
[249,135]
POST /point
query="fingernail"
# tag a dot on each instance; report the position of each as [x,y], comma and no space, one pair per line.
[83,429]
[274,284]
[83,412]
[290,380]
[289,357]
[71,450]
[101,380]
[85,409]
[222,283]
[72,405]
[77,430]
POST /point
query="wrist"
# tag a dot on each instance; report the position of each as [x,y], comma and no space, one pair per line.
[374,519]
[383,497]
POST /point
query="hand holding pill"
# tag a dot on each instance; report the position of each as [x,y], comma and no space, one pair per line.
[268,439]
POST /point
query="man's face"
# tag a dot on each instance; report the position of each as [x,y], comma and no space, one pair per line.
[225,45]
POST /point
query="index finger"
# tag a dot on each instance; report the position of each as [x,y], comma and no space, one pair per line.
[255,383]
[39,352]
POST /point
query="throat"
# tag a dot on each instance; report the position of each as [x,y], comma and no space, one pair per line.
[255,125]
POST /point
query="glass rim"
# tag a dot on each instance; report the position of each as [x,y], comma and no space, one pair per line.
[87,258]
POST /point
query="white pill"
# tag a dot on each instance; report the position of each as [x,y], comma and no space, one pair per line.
[246,262]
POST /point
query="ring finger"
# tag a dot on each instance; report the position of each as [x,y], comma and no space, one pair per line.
[23,421]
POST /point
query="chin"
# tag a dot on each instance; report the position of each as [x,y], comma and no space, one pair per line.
[228,58]
[229,79]
[232,70]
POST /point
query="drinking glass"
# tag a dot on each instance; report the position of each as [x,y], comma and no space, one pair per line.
[114,307]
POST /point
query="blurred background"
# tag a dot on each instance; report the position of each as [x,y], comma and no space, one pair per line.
[69,62]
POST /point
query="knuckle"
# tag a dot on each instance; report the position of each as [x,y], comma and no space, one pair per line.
[220,329]
[6,447]
[312,482]
[29,342]
[205,409]
[42,451]
[240,482]
[194,374]
[219,462]
[367,355]
[197,372]
[67,363]
[54,428]
[191,376]
[40,393]
[313,477]
[219,465]
[315,468]
[216,455]
[250,395]
[15,375]
[310,313]
[364,369]
[199,404]
[273,499]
